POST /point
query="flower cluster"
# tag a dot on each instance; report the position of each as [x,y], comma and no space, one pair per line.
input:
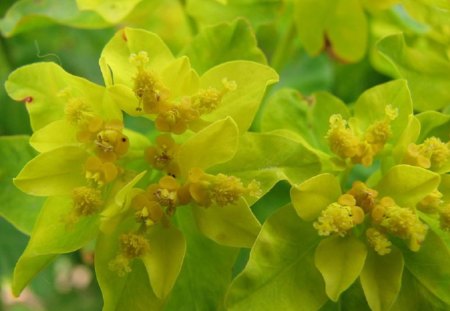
[345,141]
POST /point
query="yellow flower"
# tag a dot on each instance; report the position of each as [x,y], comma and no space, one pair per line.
[339,217]
[162,155]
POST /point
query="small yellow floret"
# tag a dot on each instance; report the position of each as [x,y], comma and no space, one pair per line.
[339,217]
[431,203]
[342,140]
[432,153]
[365,196]
[379,241]
[404,223]
[76,111]
[140,59]
[86,201]
[219,189]
[133,245]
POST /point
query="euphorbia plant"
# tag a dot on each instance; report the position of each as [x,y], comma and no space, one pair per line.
[161,170]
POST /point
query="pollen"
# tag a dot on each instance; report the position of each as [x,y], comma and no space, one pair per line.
[110,142]
[365,197]
[165,193]
[402,222]
[379,241]
[432,153]
[147,87]
[341,139]
[207,100]
[175,117]
[133,245]
[220,190]
[77,111]
[121,265]
[99,172]
[86,201]
[431,203]
[339,217]
[148,211]
[162,155]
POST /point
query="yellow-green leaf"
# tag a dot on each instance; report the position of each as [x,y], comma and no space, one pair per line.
[53,135]
[231,225]
[315,194]
[412,64]
[164,259]
[342,22]
[42,87]
[221,43]
[114,60]
[381,279]
[407,184]
[251,79]
[340,260]
[53,173]
[52,234]
[113,11]
[212,145]
[280,273]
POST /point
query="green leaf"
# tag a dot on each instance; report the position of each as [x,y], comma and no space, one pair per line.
[114,60]
[12,244]
[52,235]
[164,259]
[342,22]
[381,279]
[433,123]
[415,297]
[314,195]
[430,266]
[40,85]
[18,208]
[269,158]
[280,274]
[53,135]
[308,116]
[212,145]
[409,135]
[223,42]
[122,293]
[370,106]
[407,185]
[251,79]
[231,225]
[206,271]
[340,260]
[53,173]
[213,12]
[431,93]
[113,11]
[27,15]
